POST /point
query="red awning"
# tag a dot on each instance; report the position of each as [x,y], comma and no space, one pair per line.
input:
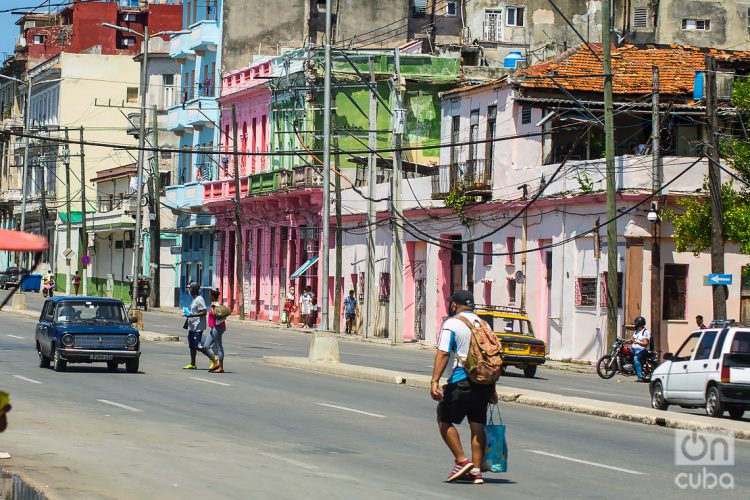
[16,241]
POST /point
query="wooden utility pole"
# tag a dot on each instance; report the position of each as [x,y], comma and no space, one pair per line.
[370,298]
[84,234]
[66,161]
[240,280]
[339,241]
[396,321]
[656,298]
[155,219]
[609,140]
[714,184]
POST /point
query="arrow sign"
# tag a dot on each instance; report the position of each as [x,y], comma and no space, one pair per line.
[719,279]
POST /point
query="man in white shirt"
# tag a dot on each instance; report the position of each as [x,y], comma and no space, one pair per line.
[641,341]
[460,398]
[305,306]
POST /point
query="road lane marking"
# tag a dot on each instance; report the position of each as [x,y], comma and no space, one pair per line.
[119,405]
[27,379]
[587,392]
[14,336]
[211,381]
[352,410]
[290,461]
[274,343]
[586,462]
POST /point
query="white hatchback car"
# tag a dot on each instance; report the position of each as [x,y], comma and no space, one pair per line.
[711,369]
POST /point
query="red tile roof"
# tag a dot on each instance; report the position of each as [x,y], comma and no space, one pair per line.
[631,67]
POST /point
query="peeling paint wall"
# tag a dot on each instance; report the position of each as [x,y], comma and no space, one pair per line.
[728,23]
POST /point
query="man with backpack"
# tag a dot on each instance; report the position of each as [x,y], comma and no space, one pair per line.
[469,346]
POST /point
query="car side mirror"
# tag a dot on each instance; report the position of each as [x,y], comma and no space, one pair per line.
[132,320]
[668,356]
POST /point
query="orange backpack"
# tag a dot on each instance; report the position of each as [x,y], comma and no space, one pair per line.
[484,363]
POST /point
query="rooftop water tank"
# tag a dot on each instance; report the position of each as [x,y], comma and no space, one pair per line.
[698,86]
[511,61]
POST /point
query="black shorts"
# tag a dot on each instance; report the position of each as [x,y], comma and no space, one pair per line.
[465,399]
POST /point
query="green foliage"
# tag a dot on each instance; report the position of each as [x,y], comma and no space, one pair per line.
[458,201]
[585,181]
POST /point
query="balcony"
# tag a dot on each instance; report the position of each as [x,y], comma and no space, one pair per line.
[197,113]
[185,197]
[306,178]
[112,215]
[472,178]
[204,36]
[179,47]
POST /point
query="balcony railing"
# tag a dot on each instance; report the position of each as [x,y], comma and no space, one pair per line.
[306,177]
[473,178]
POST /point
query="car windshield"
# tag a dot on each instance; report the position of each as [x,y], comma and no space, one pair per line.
[501,325]
[89,311]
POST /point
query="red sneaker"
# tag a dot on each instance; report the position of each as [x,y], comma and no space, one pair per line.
[459,469]
[471,478]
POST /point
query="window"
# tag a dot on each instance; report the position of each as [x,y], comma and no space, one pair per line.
[696,24]
[451,9]
[741,343]
[418,8]
[129,18]
[640,17]
[473,134]
[514,16]
[603,281]
[493,25]
[511,291]
[685,352]
[510,258]
[488,293]
[675,291]
[586,292]
[487,251]
[720,344]
[455,137]
[526,115]
[132,94]
[384,292]
[39,39]
[748,20]
[128,41]
[706,343]
[489,151]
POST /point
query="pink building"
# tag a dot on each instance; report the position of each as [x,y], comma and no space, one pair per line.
[280,213]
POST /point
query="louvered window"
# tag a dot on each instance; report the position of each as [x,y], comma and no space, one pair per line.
[418,8]
[493,25]
[640,17]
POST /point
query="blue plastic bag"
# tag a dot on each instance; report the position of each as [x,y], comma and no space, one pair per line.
[496,449]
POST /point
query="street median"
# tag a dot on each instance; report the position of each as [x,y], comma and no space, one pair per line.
[584,406]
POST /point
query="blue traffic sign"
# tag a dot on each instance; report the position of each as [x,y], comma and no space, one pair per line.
[719,279]
[85,260]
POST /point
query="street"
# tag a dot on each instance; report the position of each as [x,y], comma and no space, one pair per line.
[264,432]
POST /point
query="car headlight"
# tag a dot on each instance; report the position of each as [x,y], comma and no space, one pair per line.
[131,340]
[68,340]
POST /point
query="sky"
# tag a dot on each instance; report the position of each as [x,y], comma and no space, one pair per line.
[8,29]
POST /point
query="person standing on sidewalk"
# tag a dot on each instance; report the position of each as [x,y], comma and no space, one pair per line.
[217,325]
[460,398]
[350,311]
[289,306]
[76,283]
[196,320]
[305,306]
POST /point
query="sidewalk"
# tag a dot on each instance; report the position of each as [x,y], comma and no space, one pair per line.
[605,409]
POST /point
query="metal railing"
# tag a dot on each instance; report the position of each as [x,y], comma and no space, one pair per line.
[473,177]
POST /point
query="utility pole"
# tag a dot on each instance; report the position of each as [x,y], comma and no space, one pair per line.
[238,221]
[524,243]
[339,244]
[84,233]
[370,295]
[155,226]
[656,298]
[714,184]
[396,318]
[25,180]
[139,174]
[609,140]
[324,250]
[66,161]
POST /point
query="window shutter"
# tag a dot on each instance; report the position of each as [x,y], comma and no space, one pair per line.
[603,289]
[578,292]
[419,8]
[640,17]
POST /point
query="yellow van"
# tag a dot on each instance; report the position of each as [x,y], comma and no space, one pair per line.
[513,328]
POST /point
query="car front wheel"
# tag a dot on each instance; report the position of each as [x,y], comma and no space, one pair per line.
[657,397]
[713,402]
[131,365]
[59,364]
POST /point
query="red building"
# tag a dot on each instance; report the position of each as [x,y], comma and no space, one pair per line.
[78,28]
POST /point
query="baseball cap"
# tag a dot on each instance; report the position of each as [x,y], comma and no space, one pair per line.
[194,286]
[462,297]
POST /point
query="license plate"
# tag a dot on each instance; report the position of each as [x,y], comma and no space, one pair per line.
[516,347]
[101,357]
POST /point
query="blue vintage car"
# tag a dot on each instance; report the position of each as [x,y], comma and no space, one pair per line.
[86,330]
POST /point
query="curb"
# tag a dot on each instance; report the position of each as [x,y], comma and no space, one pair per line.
[604,409]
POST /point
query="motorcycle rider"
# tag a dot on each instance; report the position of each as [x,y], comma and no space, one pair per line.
[640,345]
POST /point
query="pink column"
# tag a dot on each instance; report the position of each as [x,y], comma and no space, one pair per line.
[443,282]
[409,306]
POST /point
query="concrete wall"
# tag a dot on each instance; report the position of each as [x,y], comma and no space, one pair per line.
[728,23]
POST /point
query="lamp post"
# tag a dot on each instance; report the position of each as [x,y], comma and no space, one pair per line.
[141,144]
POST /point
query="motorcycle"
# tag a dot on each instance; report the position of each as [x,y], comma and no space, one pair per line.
[48,289]
[620,360]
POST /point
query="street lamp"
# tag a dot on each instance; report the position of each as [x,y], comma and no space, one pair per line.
[141,144]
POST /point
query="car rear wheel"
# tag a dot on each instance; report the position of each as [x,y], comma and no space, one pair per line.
[112,366]
[43,360]
[529,371]
[713,402]
[657,397]
[131,365]
[59,364]
[736,413]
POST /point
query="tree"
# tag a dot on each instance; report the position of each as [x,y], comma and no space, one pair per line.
[692,216]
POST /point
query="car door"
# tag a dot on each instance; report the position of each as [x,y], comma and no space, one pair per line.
[39,333]
[47,326]
[699,367]
[676,384]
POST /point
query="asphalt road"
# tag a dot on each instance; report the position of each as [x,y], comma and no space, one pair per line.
[265,432]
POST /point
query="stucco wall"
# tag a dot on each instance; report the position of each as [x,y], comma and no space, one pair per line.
[728,23]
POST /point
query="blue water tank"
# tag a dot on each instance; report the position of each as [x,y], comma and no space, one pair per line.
[699,91]
[510,61]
